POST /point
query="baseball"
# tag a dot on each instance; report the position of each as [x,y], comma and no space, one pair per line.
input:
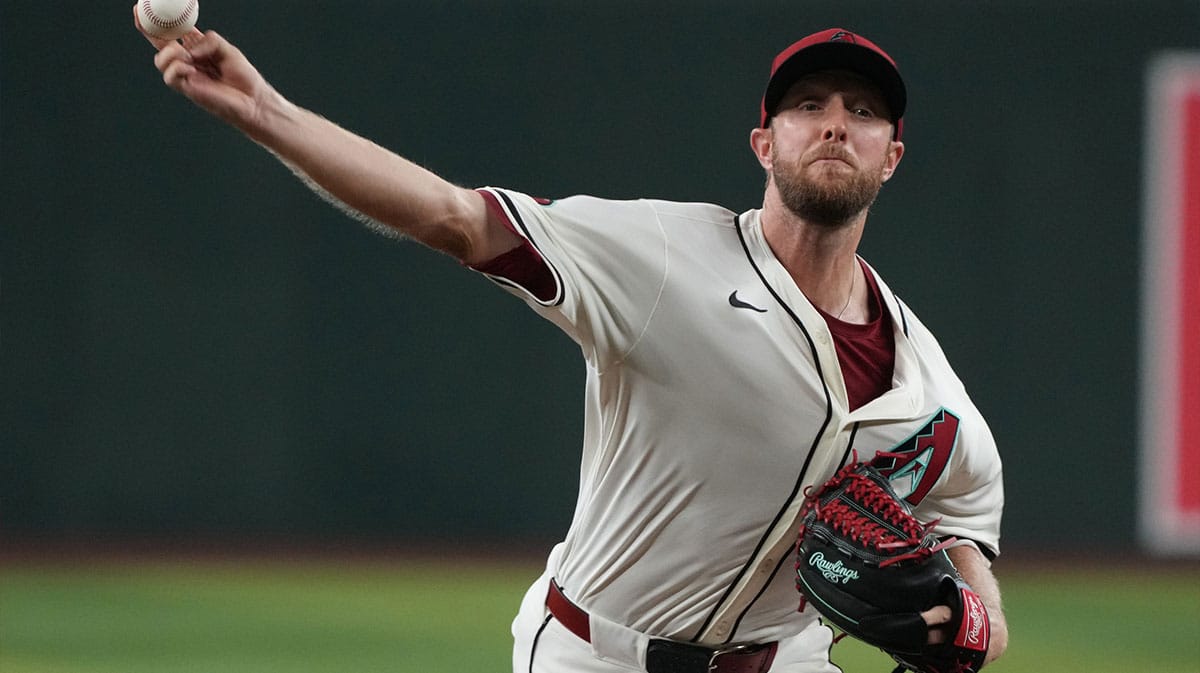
[167,19]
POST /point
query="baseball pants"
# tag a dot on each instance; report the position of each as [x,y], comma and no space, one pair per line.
[543,645]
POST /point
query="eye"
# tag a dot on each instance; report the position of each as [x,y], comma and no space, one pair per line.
[865,113]
[808,106]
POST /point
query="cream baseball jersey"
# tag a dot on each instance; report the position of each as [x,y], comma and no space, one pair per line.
[714,399]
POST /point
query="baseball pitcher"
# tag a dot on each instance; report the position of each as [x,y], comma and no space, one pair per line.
[736,362]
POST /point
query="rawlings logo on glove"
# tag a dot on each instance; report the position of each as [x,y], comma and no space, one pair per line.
[834,572]
[870,568]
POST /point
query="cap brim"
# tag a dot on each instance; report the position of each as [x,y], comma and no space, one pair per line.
[837,56]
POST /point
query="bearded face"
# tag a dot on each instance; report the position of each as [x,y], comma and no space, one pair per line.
[824,186]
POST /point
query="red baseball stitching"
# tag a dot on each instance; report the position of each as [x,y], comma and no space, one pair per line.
[160,22]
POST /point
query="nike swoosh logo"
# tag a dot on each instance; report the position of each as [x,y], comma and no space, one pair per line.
[738,303]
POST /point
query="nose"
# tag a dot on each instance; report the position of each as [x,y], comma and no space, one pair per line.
[835,125]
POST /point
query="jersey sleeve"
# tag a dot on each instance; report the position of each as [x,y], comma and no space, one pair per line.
[606,259]
[969,497]
[970,500]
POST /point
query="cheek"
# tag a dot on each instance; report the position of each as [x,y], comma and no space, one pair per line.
[791,138]
[884,160]
[787,151]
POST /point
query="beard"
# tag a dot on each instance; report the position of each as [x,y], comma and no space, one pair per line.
[831,200]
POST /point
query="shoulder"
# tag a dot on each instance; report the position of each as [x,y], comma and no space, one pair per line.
[693,211]
[663,208]
[662,212]
[604,217]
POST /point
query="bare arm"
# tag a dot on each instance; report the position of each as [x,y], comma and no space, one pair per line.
[363,176]
[975,570]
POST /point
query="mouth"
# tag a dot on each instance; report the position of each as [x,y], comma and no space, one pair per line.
[831,160]
[831,154]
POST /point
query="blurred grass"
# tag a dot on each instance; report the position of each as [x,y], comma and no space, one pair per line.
[262,617]
[266,616]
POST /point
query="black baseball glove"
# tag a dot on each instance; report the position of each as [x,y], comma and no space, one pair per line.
[870,568]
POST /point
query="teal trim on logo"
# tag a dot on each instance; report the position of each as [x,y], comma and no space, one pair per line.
[906,480]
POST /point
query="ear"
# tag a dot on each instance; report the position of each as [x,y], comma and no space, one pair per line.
[760,142]
[894,152]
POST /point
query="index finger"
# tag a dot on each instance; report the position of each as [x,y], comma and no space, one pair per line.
[938,614]
[936,618]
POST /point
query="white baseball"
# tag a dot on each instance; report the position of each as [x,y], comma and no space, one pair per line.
[167,19]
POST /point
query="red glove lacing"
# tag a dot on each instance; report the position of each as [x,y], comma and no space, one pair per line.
[857,527]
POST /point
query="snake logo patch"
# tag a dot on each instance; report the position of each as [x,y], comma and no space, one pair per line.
[924,456]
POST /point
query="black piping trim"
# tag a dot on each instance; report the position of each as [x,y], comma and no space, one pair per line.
[845,457]
[536,638]
[903,318]
[516,217]
[850,446]
[812,449]
[983,548]
[737,624]
[505,282]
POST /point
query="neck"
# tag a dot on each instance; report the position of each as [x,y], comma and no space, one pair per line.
[821,258]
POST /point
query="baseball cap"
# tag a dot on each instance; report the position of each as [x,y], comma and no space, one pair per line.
[835,48]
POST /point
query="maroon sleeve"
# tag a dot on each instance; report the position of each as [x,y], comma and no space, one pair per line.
[522,265]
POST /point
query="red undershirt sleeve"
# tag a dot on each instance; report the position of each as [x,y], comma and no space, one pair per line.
[522,265]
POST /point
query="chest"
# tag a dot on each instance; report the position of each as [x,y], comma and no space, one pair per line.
[755,383]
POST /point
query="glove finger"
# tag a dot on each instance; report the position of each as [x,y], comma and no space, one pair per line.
[904,633]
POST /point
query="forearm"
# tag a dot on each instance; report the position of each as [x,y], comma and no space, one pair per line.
[370,179]
[974,568]
[354,172]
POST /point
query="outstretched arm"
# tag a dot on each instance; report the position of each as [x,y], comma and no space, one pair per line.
[363,176]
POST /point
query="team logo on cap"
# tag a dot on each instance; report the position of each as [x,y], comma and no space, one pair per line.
[841,36]
[923,457]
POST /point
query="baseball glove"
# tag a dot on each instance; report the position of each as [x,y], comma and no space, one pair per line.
[870,568]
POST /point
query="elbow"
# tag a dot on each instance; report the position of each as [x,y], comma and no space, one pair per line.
[469,213]
[458,223]
[479,235]
[452,225]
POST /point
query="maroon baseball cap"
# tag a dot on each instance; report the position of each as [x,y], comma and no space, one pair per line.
[835,49]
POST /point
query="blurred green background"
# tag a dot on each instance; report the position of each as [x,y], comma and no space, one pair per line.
[416,616]
[198,354]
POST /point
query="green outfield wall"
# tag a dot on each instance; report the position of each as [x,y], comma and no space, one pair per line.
[192,345]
